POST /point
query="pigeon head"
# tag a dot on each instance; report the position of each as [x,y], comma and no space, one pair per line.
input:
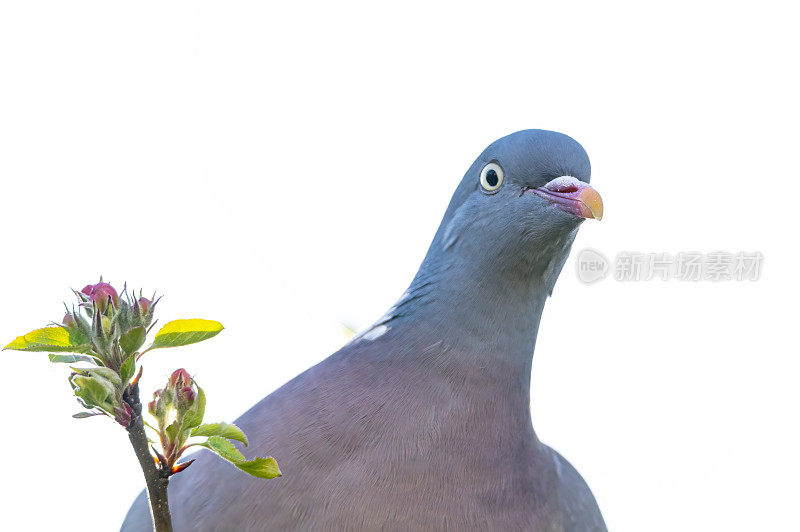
[516,212]
[499,249]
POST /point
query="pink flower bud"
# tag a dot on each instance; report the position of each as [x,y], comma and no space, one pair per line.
[145,304]
[69,320]
[87,290]
[182,386]
[187,394]
[180,378]
[100,294]
[157,406]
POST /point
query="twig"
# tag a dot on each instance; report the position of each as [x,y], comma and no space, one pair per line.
[155,479]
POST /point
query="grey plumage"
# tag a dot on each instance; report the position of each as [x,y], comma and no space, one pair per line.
[423,421]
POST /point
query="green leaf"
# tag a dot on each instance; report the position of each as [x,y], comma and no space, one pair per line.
[108,375]
[194,415]
[92,391]
[132,340]
[217,442]
[70,359]
[83,415]
[184,332]
[127,369]
[56,339]
[261,467]
[225,430]
[172,431]
[224,448]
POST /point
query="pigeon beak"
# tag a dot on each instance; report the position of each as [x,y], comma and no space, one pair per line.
[572,195]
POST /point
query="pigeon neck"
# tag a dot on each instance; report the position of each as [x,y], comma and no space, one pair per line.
[490,319]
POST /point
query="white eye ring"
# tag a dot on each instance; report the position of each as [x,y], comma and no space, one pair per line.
[491,177]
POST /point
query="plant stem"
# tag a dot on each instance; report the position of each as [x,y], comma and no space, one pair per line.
[155,480]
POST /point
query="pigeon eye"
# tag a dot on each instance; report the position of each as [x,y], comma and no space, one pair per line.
[491,177]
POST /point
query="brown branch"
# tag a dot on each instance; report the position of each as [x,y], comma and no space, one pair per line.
[155,478]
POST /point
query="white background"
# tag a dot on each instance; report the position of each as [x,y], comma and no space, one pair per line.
[282,169]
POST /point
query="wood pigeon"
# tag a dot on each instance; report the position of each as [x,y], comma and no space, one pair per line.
[423,421]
